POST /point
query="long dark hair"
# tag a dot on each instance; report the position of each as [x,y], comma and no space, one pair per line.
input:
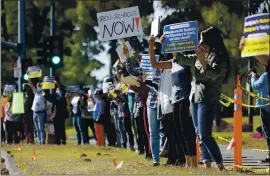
[211,36]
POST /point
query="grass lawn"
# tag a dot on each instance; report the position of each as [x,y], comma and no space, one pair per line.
[248,141]
[60,160]
[70,131]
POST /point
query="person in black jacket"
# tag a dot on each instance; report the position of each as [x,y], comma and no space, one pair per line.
[59,115]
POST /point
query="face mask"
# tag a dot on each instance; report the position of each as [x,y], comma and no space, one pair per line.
[39,89]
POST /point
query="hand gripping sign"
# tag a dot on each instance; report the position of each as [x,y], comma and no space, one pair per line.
[48,83]
[256,33]
[34,72]
[121,23]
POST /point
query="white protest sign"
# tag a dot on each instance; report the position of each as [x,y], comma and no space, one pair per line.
[117,24]
[155,27]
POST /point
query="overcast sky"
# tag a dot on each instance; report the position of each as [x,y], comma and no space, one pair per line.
[104,57]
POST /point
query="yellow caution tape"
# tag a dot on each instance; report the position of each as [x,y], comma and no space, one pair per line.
[255,171]
[225,104]
[230,101]
[220,138]
[254,95]
[260,150]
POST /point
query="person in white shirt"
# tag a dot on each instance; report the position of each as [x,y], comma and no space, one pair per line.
[39,111]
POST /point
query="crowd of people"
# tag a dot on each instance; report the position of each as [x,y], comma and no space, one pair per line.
[178,105]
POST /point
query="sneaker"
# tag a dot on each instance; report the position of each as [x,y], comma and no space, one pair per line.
[139,152]
[64,142]
[156,164]
[266,160]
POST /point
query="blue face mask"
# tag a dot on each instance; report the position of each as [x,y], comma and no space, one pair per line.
[39,89]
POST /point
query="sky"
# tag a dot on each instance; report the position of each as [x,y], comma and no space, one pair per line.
[104,57]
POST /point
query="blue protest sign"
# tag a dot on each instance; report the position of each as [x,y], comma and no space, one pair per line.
[148,70]
[180,37]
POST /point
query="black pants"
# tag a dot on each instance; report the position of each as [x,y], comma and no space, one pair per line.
[85,124]
[59,130]
[109,131]
[174,152]
[13,127]
[265,121]
[3,133]
[143,141]
[185,131]
[127,127]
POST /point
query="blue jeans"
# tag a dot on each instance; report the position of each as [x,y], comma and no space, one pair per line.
[131,103]
[77,123]
[154,128]
[39,121]
[120,128]
[203,117]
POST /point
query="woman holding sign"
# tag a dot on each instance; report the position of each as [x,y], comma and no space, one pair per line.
[182,122]
[212,69]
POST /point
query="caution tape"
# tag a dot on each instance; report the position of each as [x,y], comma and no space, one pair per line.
[260,150]
[221,138]
[254,95]
[225,104]
[255,171]
[230,101]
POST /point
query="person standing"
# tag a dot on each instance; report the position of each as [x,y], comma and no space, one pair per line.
[182,122]
[99,117]
[76,115]
[261,84]
[39,111]
[59,115]
[28,122]
[13,123]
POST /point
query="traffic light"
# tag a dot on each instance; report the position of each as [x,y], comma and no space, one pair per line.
[27,62]
[42,53]
[56,49]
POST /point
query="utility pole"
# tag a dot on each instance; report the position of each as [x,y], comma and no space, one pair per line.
[21,38]
[249,88]
[52,30]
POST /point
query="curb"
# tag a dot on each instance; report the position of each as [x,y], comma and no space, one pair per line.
[10,163]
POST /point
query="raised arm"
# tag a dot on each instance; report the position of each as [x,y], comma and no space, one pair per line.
[32,85]
[161,64]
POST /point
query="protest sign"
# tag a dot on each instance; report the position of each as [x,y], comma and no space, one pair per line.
[119,51]
[121,23]
[34,72]
[256,33]
[155,27]
[148,70]
[180,37]
[17,103]
[48,83]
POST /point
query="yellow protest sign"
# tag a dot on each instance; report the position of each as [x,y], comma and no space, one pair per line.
[256,33]
[17,103]
[34,72]
[48,83]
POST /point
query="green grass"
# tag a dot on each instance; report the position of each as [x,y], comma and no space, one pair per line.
[60,160]
[70,131]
